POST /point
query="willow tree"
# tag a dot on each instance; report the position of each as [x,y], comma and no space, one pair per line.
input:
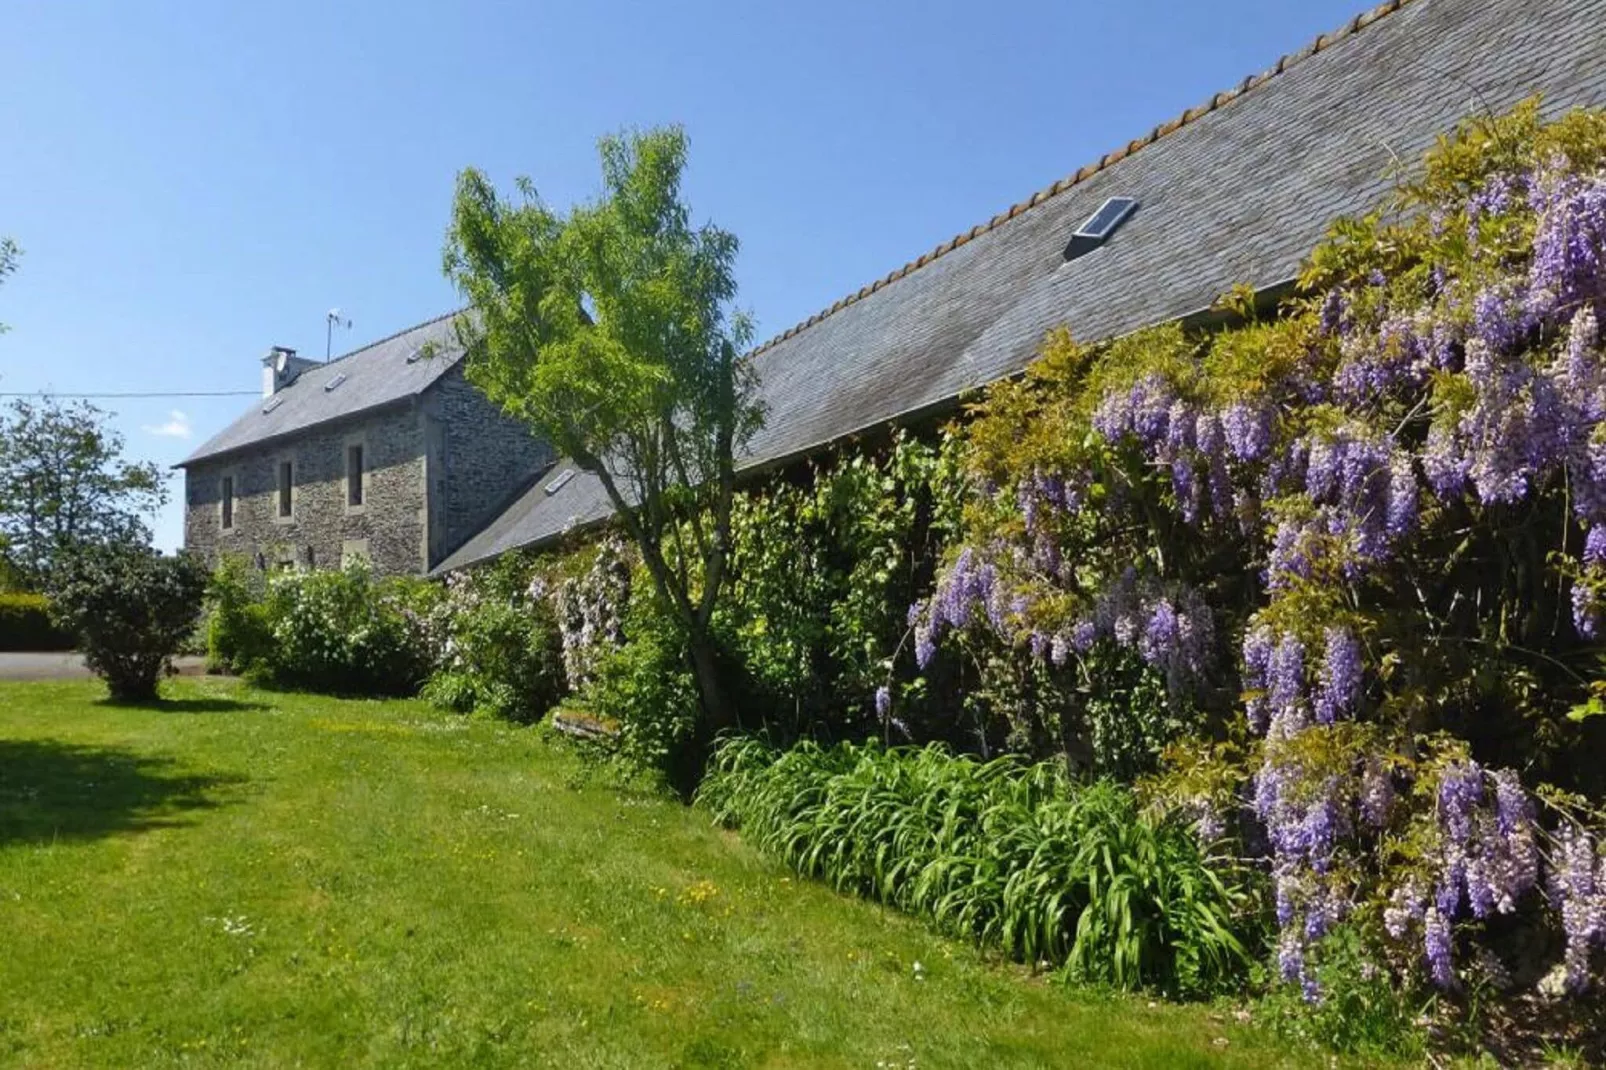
[610,331]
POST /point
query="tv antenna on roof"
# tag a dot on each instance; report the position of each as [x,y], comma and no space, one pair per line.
[332,320]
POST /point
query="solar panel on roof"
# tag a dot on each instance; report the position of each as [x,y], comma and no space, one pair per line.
[336,381]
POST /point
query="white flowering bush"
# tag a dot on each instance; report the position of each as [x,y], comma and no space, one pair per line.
[501,653]
[521,634]
[343,632]
[589,606]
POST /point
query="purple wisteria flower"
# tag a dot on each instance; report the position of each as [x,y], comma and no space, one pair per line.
[1377,794]
[1340,676]
[1247,430]
[1488,859]
[1578,885]
[1570,239]
[1172,630]
[1436,943]
[1285,687]
[1259,644]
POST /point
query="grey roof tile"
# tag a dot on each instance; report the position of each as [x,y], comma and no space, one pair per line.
[1239,192]
[377,374]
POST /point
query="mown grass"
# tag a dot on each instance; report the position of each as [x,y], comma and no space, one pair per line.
[245,878]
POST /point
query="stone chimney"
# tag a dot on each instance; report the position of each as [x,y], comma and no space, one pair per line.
[280,366]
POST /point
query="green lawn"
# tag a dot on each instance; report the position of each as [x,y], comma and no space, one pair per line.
[246,878]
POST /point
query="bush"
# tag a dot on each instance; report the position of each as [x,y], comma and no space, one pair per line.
[25,624]
[822,572]
[1359,1012]
[503,653]
[1357,539]
[646,687]
[238,634]
[130,608]
[1011,855]
[342,632]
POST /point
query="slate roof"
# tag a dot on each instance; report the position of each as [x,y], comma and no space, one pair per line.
[376,375]
[1236,190]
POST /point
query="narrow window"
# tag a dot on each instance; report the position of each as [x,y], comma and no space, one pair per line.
[354,475]
[285,473]
[228,502]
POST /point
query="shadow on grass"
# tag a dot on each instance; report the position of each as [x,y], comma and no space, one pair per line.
[52,791]
[186,705]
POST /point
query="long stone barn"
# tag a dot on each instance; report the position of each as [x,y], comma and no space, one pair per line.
[389,455]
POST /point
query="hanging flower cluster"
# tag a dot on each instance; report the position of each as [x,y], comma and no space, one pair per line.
[1578,888]
[590,609]
[1171,629]
[1486,843]
[1303,487]
[1197,447]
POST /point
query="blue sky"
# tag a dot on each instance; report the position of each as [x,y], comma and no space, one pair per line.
[192,183]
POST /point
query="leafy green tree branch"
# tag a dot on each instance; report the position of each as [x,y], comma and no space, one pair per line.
[610,331]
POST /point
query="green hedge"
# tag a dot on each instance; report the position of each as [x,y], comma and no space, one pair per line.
[25,624]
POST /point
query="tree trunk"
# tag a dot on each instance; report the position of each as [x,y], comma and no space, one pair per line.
[718,712]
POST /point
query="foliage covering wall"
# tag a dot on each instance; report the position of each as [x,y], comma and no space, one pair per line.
[1362,543]
[1331,578]
[1329,581]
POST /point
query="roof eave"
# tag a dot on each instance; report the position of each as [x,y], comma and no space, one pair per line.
[1206,316]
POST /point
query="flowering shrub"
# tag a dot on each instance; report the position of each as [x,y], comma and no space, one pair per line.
[644,687]
[1365,538]
[590,607]
[518,636]
[343,632]
[129,608]
[820,572]
[502,654]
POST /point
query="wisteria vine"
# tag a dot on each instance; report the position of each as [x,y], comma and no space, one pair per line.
[1441,379]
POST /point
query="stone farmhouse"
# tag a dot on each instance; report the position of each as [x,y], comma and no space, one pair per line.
[1236,190]
[386,454]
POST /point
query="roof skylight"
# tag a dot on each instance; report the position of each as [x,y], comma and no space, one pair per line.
[335,382]
[560,482]
[273,403]
[1100,225]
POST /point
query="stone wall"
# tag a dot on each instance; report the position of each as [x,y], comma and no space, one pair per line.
[390,528]
[436,470]
[479,460]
